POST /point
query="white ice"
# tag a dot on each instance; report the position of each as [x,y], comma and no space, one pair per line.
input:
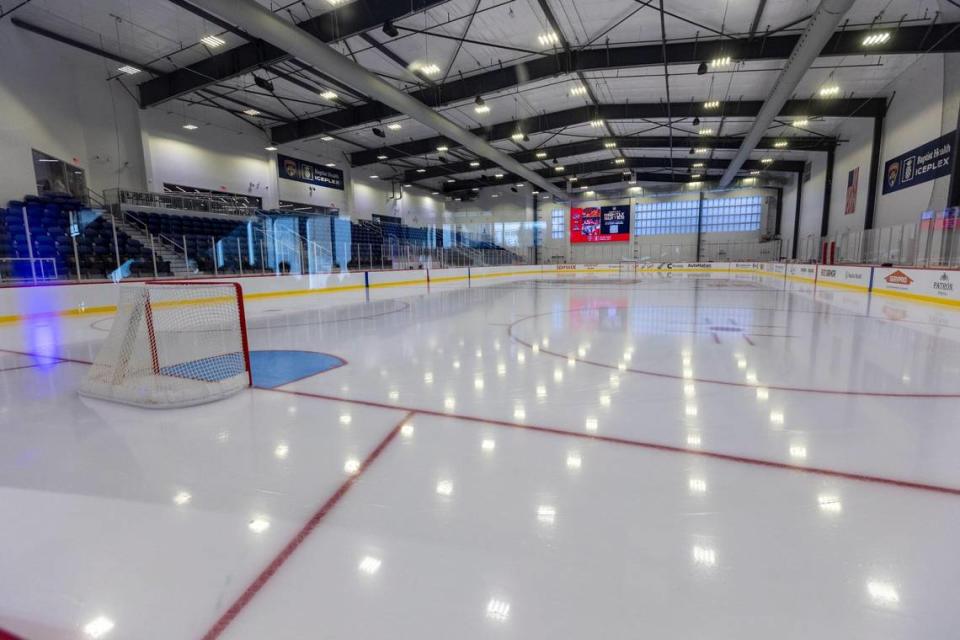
[539,472]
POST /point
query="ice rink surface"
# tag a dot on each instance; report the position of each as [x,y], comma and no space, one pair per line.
[660,457]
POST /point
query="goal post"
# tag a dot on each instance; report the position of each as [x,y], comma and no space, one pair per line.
[627,268]
[173,344]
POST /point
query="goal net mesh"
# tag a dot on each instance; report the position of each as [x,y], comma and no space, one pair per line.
[172,345]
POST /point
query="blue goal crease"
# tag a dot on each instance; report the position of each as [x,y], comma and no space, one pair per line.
[270,368]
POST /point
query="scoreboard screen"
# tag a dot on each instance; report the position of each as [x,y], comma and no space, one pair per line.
[600,224]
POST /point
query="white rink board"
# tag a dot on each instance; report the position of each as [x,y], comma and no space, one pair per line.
[925,285]
[855,278]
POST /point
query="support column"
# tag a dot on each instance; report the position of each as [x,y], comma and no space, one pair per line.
[796,216]
[874,170]
[699,225]
[953,197]
[827,192]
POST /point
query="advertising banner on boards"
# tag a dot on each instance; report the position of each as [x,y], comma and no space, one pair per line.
[600,224]
[309,172]
[927,162]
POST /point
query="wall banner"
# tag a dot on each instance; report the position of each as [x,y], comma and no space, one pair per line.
[927,162]
[309,172]
[853,185]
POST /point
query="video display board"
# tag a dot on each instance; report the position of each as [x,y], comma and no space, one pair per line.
[600,224]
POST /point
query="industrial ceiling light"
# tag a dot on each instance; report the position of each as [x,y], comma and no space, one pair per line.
[427,69]
[421,170]
[596,123]
[129,70]
[330,164]
[481,105]
[558,168]
[390,30]
[378,132]
[723,61]
[213,41]
[754,173]
[548,39]
[541,154]
[381,157]
[829,91]
[263,83]
[517,137]
[190,127]
[554,161]
[692,151]
[326,138]
[876,38]
[514,189]
[780,144]
[610,144]
[711,104]
[526,138]
[696,121]
[443,148]
[767,161]
[574,178]
[620,161]
[701,150]
[706,131]
[578,90]
[394,126]
[251,112]
[702,69]
[328,95]
[475,163]
[270,148]
[697,165]
[498,176]
[801,122]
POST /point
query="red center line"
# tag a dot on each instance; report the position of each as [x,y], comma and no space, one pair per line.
[258,583]
[773,464]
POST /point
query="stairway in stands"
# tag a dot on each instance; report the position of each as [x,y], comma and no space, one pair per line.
[178,265]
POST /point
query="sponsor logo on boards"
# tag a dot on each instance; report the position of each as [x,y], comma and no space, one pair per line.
[828,273]
[943,283]
[899,277]
[699,265]
[566,267]
[853,275]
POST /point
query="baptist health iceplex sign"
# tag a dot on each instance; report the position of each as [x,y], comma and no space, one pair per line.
[926,162]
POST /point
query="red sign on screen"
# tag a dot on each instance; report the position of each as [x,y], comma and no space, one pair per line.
[600,224]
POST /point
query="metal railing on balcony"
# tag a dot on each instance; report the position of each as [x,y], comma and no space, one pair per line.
[205,203]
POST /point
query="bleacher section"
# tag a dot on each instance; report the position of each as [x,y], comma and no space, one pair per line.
[197,232]
[370,244]
[49,228]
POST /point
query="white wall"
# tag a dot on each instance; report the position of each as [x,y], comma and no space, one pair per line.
[855,152]
[58,101]
[417,207]
[923,108]
[218,155]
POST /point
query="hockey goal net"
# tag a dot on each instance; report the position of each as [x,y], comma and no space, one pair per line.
[173,344]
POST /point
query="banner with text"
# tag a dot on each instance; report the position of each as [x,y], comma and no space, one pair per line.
[305,171]
[927,162]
